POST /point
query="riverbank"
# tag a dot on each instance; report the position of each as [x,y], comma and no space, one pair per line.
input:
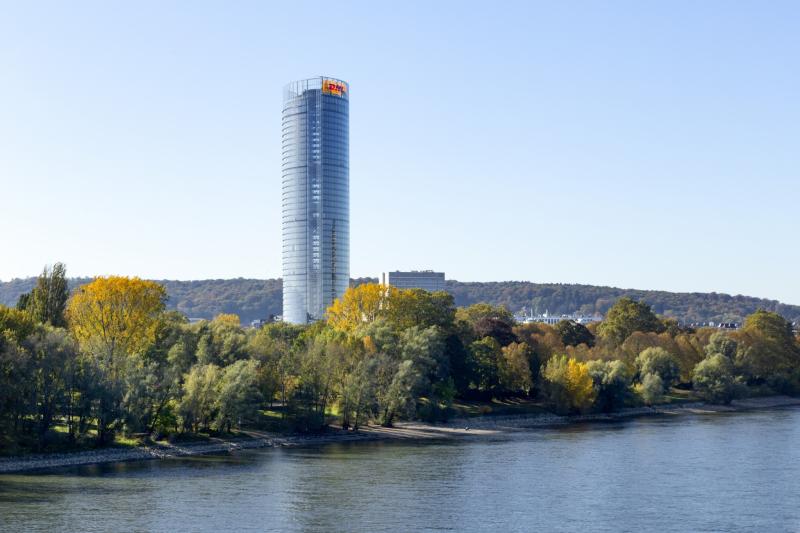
[473,427]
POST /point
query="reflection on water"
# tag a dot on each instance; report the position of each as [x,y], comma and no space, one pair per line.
[738,472]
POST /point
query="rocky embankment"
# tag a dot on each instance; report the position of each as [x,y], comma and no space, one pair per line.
[474,427]
[504,423]
[114,454]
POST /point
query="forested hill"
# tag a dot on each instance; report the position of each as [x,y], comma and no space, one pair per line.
[255,298]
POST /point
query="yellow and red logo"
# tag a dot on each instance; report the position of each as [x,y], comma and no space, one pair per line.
[334,87]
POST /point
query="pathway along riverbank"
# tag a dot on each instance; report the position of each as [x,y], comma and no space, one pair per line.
[474,427]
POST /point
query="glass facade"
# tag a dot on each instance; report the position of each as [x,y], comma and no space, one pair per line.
[315,197]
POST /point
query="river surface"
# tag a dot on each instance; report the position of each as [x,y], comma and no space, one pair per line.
[724,472]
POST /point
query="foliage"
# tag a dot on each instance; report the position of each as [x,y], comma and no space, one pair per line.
[768,351]
[657,361]
[543,339]
[570,387]
[482,320]
[357,306]
[15,324]
[47,301]
[479,311]
[198,405]
[483,356]
[238,397]
[514,369]
[651,389]
[573,334]
[612,382]
[116,315]
[625,317]
[416,307]
[721,343]
[260,299]
[714,379]
[128,366]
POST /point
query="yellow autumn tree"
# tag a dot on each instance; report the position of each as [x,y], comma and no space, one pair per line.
[357,306]
[229,319]
[116,315]
[570,387]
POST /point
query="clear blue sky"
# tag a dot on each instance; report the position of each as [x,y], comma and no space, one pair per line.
[634,144]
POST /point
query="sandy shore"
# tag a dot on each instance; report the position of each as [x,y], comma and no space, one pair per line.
[474,427]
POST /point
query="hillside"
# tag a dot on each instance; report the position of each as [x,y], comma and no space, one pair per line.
[255,298]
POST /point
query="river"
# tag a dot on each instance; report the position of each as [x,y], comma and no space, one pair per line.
[722,472]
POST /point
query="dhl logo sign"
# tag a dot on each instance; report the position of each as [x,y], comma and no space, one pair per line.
[334,87]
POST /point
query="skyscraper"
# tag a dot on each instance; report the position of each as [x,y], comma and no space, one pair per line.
[315,197]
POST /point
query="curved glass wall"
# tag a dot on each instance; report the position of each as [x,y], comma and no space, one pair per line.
[315,197]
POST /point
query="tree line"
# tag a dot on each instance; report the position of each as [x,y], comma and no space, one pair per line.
[253,299]
[109,359]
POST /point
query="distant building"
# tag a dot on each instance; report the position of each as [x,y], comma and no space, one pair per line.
[717,325]
[261,322]
[415,279]
[547,318]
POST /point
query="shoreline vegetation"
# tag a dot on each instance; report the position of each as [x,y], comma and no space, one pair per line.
[458,428]
[107,367]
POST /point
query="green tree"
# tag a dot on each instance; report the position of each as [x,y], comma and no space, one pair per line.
[483,320]
[16,368]
[714,379]
[52,355]
[199,401]
[612,382]
[358,392]
[401,395]
[238,396]
[768,351]
[476,312]
[651,389]
[425,348]
[221,342]
[407,308]
[573,334]
[15,324]
[514,370]
[47,302]
[625,317]
[660,362]
[484,355]
[315,367]
[721,343]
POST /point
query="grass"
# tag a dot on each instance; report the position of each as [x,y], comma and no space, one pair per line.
[678,396]
[26,443]
[499,407]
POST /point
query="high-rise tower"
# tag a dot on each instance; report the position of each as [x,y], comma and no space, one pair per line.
[316,197]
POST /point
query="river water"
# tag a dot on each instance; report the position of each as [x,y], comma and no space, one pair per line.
[730,472]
